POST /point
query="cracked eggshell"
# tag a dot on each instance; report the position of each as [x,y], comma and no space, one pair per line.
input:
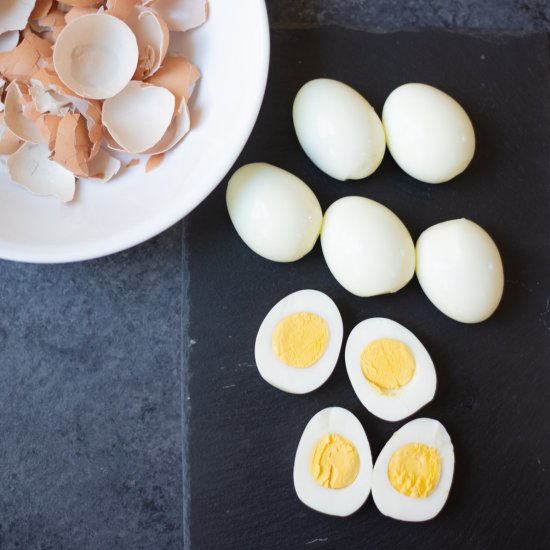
[32,168]
[9,142]
[178,75]
[103,166]
[31,55]
[139,116]
[181,15]
[121,8]
[179,126]
[9,41]
[96,55]
[75,13]
[14,14]
[15,119]
[152,36]
[41,9]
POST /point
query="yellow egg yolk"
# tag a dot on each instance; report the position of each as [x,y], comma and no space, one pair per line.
[387,364]
[334,462]
[300,339]
[414,470]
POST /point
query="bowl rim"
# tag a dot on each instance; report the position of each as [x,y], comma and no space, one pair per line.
[76,252]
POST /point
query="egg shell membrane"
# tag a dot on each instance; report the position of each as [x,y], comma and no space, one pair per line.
[290,379]
[153,38]
[20,116]
[14,14]
[31,167]
[98,33]
[398,506]
[335,502]
[181,15]
[138,117]
[407,399]
[9,41]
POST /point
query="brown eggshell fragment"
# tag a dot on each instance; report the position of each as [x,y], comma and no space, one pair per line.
[53,22]
[103,167]
[179,126]
[48,126]
[96,55]
[9,41]
[82,3]
[91,110]
[9,142]
[138,117]
[48,101]
[152,36]
[178,75]
[121,8]
[14,14]
[154,162]
[14,118]
[41,9]
[31,55]
[182,15]
[72,145]
[49,80]
[75,13]
[31,167]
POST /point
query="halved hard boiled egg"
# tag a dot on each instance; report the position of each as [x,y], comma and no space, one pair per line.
[299,341]
[413,473]
[333,464]
[390,370]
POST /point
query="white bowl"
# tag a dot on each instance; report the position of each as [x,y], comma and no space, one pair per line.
[232,52]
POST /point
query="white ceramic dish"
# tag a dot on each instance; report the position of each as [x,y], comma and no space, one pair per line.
[232,52]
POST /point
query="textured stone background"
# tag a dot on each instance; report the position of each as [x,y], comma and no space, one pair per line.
[91,354]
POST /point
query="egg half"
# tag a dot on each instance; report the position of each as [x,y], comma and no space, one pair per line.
[338,129]
[367,247]
[429,134]
[390,370]
[333,464]
[275,213]
[299,342]
[459,268]
[413,474]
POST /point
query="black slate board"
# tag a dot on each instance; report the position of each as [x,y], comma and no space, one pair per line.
[493,378]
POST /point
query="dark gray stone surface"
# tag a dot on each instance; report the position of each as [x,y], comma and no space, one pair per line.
[391,14]
[91,354]
[90,429]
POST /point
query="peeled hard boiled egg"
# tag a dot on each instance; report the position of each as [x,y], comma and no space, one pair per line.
[390,370]
[413,473]
[460,270]
[429,134]
[299,341]
[338,129]
[275,213]
[366,246]
[333,464]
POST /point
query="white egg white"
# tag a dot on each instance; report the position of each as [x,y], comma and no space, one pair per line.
[275,213]
[459,268]
[407,399]
[367,247]
[336,502]
[299,380]
[398,506]
[338,129]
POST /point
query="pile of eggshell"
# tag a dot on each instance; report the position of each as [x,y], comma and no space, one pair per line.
[84,82]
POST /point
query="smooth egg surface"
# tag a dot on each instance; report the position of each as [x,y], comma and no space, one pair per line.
[275,213]
[414,471]
[429,134]
[367,247]
[459,268]
[338,129]
[333,463]
[299,341]
[389,369]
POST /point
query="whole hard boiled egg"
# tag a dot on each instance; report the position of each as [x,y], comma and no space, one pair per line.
[333,464]
[459,268]
[366,246]
[413,474]
[275,213]
[299,342]
[338,129]
[390,370]
[429,134]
